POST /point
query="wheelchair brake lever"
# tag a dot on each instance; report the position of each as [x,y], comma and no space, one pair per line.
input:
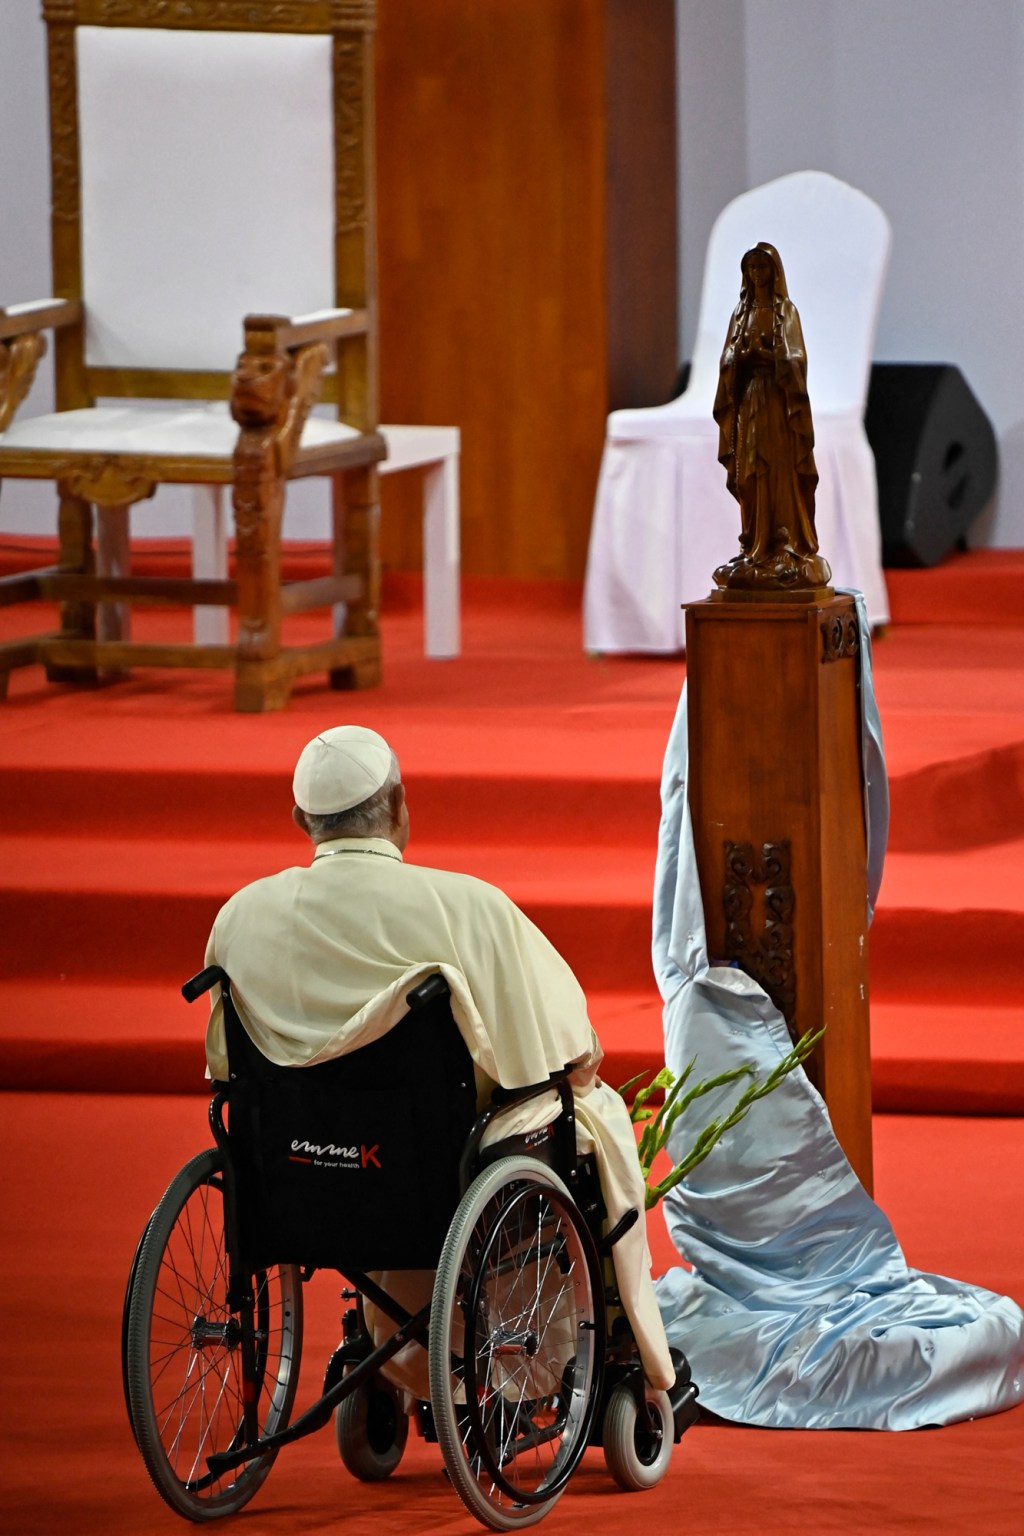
[625,1224]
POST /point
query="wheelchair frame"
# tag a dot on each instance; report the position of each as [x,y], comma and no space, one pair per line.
[511,1432]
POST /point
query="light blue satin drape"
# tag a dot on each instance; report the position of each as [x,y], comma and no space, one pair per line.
[801,1311]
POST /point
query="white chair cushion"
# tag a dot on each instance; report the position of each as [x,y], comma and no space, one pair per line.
[205,431]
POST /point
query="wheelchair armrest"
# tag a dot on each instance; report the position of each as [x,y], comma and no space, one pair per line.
[501,1098]
[203,981]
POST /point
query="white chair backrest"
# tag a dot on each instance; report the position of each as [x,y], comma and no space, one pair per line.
[834,243]
[207,176]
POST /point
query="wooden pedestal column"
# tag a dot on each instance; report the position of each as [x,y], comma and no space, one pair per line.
[778,821]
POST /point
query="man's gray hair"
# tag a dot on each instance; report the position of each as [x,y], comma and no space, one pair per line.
[370,818]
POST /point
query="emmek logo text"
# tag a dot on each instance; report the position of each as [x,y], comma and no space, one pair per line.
[327,1155]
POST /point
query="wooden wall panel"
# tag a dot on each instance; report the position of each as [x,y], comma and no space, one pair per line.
[641,218]
[494,219]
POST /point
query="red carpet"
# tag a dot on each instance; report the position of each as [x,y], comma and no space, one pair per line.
[130,812]
[82,1173]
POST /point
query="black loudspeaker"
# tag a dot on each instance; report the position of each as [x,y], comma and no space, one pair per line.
[935,454]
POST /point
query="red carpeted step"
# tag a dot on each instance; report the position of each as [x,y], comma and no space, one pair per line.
[948,1058]
[978,586]
[131,812]
[143,1038]
[507,803]
[951,926]
[962,802]
[125,1037]
[144,908]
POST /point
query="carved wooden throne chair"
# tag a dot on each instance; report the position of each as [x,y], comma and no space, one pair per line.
[212,187]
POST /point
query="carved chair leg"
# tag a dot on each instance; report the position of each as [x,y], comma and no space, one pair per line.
[77,556]
[356,530]
[210,626]
[113,558]
[356,519]
[261,682]
[260,687]
[358,674]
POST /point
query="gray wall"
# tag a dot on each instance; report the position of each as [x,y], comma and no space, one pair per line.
[25,222]
[918,102]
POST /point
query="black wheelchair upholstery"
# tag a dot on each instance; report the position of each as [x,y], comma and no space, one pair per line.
[373,1161]
[352,1163]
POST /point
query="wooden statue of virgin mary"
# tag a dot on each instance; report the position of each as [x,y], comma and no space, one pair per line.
[766,436]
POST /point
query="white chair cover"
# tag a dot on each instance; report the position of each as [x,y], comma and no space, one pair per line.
[663,519]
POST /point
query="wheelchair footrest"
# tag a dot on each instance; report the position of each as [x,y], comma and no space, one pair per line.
[685,1412]
[683,1397]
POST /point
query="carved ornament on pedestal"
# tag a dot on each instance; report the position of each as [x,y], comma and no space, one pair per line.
[840,639]
[767,958]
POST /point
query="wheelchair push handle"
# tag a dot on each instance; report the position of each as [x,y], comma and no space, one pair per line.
[203,981]
[429,990]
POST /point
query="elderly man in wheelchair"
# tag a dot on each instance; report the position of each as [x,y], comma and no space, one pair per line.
[447,1147]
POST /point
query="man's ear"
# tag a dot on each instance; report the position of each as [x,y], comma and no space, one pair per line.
[299,818]
[397,801]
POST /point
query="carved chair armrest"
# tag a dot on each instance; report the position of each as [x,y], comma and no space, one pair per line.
[285,333]
[22,345]
[279,376]
[38,315]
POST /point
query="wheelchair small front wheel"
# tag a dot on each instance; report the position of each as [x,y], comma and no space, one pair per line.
[182,1357]
[371,1428]
[637,1437]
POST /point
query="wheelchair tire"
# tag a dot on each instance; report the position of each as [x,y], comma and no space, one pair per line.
[637,1442]
[125,1314]
[517,1343]
[183,1365]
[371,1428]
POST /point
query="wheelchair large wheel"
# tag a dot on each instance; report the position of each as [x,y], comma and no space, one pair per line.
[126,1312]
[516,1343]
[183,1351]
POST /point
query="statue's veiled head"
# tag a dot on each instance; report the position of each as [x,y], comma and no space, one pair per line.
[763,257]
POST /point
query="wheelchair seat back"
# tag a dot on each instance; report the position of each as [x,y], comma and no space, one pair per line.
[351,1164]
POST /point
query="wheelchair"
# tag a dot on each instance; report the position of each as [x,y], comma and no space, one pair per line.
[373,1162]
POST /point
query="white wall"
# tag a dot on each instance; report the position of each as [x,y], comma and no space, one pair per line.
[712,136]
[918,102]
